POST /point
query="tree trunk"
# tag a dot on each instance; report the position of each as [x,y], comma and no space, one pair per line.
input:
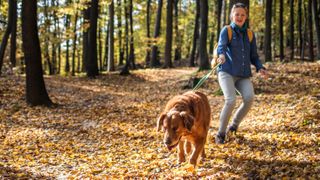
[85,37]
[106,46]
[317,24]
[100,48]
[120,33]
[131,56]
[177,51]
[168,46]
[204,61]
[92,66]
[195,35]
[281,30]
[310,29]
[74,45]
[154,55]
[147,60]
[300,27]
[291,29]
[267,33]
[7,33]
[13,41]
[36,92]
[125,69]
[67,65]
[111,39]
[218,13]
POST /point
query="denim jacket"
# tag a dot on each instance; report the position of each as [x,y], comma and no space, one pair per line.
[239,53]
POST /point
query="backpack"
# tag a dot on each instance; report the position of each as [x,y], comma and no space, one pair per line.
[215,53]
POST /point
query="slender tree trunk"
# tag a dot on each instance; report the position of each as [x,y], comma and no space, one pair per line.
[204,61]
[120,32]
[111,39]
[316,14]
[195,35]
[281,30]
[53,43]
[131,56]
[291,29]
[310,29]
[154,55]
[304,33]
[13,42]
[36,92]
[92,66]
[85,38]
[218,12]
[6,34]
[125,69]
[168,47]
[147,60]
[100,47]
[67,66]
[267,33]
[300,27]
[177,51]
[74,45]
[106,46]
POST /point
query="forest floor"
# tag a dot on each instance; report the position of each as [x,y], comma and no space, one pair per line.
[106,128]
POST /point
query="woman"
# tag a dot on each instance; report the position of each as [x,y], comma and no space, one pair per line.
[234,72]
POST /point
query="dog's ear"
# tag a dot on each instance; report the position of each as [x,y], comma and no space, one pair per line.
[160,121]
[188,120]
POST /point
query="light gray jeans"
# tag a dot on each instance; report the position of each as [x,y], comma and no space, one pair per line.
[229,85]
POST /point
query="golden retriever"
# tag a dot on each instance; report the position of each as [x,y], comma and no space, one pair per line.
[185,121]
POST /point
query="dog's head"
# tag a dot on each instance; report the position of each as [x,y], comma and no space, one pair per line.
[174,124]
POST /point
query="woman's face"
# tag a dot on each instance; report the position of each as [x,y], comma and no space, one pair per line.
[239,16]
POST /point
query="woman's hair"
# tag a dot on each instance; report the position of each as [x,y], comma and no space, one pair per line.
[238,5]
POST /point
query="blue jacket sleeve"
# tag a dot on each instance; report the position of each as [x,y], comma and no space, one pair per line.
[254,57]
[223,42]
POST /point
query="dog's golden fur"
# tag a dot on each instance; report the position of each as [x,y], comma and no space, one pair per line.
[186,118]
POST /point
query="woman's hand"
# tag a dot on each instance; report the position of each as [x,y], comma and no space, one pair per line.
[221,59]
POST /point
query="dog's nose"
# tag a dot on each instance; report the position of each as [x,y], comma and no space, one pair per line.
[167,141]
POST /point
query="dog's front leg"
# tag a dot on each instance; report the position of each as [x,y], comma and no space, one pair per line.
[181,156]
[198,148]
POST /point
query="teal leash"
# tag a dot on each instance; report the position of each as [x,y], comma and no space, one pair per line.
[204,78]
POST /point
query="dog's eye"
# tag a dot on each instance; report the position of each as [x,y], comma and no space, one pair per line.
[175,129]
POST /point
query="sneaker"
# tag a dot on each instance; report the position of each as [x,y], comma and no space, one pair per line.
[220,138]
[232,130]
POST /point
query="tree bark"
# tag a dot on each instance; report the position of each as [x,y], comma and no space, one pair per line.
[92,66]
[73,66]
[147,60]
[131,56]
[267,33]
[111,39]
[281,30]
[13,41]
[154,54]
[317,24]
[7,33]
[204,61]
[36,92]
[291,29]
[168,46]
[310,30]
[177,50]
[195,35]
[300,28]
[121,58]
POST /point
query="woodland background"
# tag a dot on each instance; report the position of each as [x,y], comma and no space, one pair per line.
[102,72]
